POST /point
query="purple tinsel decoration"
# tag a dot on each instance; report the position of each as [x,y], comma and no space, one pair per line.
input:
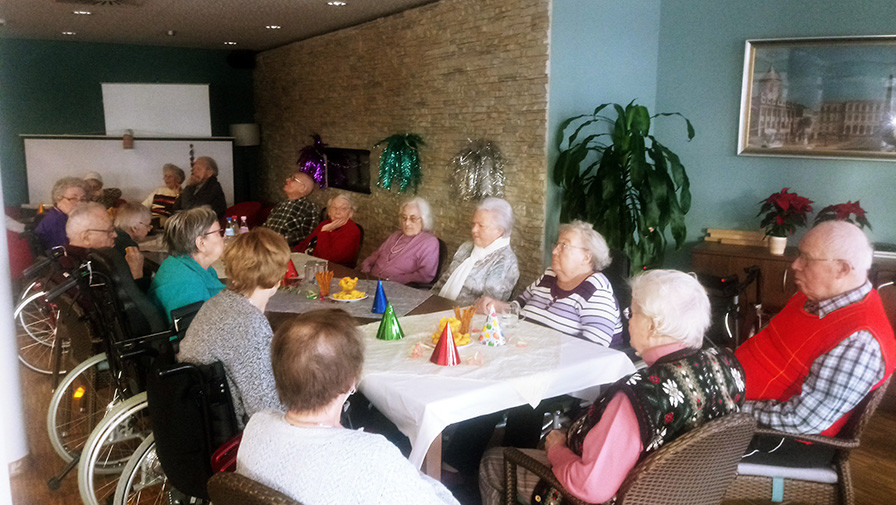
[313,162]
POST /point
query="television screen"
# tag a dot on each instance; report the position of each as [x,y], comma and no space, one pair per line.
[348,169]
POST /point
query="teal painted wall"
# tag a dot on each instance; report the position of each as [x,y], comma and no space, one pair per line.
[51,87]
[601,51]
[700,69]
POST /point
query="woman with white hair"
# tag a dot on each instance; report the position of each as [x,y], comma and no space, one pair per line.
[338,238]
[572,296]
[133,222]
[161,200]
[486,266]
[410,254]
[67,193]
[683,387]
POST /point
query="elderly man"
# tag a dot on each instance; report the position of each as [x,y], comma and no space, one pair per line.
[829,346]
[295,218]
[203,188]
[89,227]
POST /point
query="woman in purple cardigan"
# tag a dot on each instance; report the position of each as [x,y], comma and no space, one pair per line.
[410,254]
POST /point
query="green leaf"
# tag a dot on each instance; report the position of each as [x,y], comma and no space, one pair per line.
[639,119]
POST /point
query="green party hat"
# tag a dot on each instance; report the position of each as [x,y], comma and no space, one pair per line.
[389,327]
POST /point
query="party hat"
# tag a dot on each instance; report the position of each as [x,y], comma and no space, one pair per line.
[445,353]
[40,209]
[379,301]
[389,327]
[291,271]
[491,332]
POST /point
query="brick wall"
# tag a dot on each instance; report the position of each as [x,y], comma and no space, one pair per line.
[448,71]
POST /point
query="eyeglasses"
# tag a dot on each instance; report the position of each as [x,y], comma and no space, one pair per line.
[219,231]
[565,245]
[74,199]
[805,258]
[413,219]
[627,313]
[295,179]
[110,231]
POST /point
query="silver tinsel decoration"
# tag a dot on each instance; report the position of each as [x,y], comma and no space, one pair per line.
[478,171]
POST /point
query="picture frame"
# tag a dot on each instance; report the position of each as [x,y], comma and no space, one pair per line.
[831,97]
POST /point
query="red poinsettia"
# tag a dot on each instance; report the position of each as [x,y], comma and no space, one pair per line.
[784,211]
[844,212]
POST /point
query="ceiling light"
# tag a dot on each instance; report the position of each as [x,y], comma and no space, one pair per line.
[273,27]
[229,43]
[68,33]
[336,4]
[82,13]
[171,33]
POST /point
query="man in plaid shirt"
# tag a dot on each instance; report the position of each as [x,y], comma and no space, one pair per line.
[295,218]
[830,345]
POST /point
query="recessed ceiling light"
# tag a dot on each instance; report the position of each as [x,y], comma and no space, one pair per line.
[68,33]
[336,4]
[273,27]
[82,13]
[171,33]
[229,43]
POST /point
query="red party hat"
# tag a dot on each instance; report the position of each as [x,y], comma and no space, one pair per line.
[290,271]
[445,353]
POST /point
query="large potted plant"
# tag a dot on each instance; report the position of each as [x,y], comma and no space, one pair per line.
[624,181]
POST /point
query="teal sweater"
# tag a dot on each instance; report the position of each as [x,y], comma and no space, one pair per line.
[181,281]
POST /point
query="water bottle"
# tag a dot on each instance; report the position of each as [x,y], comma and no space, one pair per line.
[244,226]
[228,230]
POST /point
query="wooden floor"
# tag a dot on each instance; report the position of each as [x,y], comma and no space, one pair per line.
[874,464]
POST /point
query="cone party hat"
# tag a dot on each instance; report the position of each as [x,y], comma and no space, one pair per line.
[445,353]
[291,272]
[389,327]
[379,301]
[491,332]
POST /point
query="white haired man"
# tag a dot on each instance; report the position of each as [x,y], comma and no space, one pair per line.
[829,346]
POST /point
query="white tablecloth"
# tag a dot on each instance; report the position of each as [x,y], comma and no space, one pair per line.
[422,398]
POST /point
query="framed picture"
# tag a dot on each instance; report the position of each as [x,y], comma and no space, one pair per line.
[819,97]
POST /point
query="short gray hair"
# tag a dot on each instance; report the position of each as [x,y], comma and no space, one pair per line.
[81,218]
[846,241]
[62,186]
[501,211]
[170,168]
[675,302]
[212,164]
[183,228]
[423,207]
[131,214]
[592,241]
[345,197]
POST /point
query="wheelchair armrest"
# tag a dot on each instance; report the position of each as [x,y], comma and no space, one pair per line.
[839,443]
[138,346]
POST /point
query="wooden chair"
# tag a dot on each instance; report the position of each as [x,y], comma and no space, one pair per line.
[829,484]
[228,488]
[694,469]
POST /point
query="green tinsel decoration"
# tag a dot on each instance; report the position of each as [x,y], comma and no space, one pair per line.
[400,162]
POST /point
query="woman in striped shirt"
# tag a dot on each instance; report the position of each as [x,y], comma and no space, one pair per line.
[573,296]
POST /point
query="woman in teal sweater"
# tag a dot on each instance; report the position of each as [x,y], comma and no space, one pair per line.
[195,240]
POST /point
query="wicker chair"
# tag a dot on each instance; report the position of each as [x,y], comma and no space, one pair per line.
[831,484]
[228,488]
[694,469]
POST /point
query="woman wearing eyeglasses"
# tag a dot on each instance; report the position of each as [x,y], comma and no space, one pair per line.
[195,240]
[572,296]
[67,193]
[410,254]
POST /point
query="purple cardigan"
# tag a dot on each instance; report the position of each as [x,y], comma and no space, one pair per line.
[417,261]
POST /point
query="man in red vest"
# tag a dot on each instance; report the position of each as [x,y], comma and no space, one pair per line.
[829,346]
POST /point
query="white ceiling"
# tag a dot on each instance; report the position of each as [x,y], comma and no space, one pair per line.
[195,23]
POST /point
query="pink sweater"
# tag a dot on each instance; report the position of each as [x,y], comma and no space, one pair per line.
[610,451]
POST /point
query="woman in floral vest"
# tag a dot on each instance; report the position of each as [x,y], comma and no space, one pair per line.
[682,387]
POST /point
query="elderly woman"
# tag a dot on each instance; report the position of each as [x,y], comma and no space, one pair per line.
[305,453]
[108,197]
[573,296]
[132,224]
[231,326]
[486,266]
[410,254]
[195,240]
[336,239]
[67,193]
[161,200]
[683,387]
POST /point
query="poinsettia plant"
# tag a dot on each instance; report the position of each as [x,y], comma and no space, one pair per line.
[849,211]
[784,211]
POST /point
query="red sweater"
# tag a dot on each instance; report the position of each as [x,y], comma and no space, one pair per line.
[339,246]
[777,360]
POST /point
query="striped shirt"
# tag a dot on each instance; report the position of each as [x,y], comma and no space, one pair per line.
[589,311]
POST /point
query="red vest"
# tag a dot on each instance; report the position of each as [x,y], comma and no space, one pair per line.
[777,359]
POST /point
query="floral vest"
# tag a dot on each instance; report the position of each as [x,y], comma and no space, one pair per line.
[678,393]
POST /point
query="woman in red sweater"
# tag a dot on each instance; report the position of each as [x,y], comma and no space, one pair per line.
[336,239]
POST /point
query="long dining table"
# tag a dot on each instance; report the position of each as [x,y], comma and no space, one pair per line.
[423,398]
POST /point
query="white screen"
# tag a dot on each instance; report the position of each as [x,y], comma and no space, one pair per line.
[157,110]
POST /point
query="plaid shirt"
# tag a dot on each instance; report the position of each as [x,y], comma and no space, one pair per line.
[294,219]
[836,383]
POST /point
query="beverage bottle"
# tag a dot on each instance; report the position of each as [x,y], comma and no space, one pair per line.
[244,226]
[228,231]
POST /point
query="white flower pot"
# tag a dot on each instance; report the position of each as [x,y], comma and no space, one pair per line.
[776,245]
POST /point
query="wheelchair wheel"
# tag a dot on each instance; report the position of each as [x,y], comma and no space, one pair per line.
[36,332]
[143,482]
[109,448]
[79,404]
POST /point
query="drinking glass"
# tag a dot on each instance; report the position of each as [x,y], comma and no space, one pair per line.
[510,315]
